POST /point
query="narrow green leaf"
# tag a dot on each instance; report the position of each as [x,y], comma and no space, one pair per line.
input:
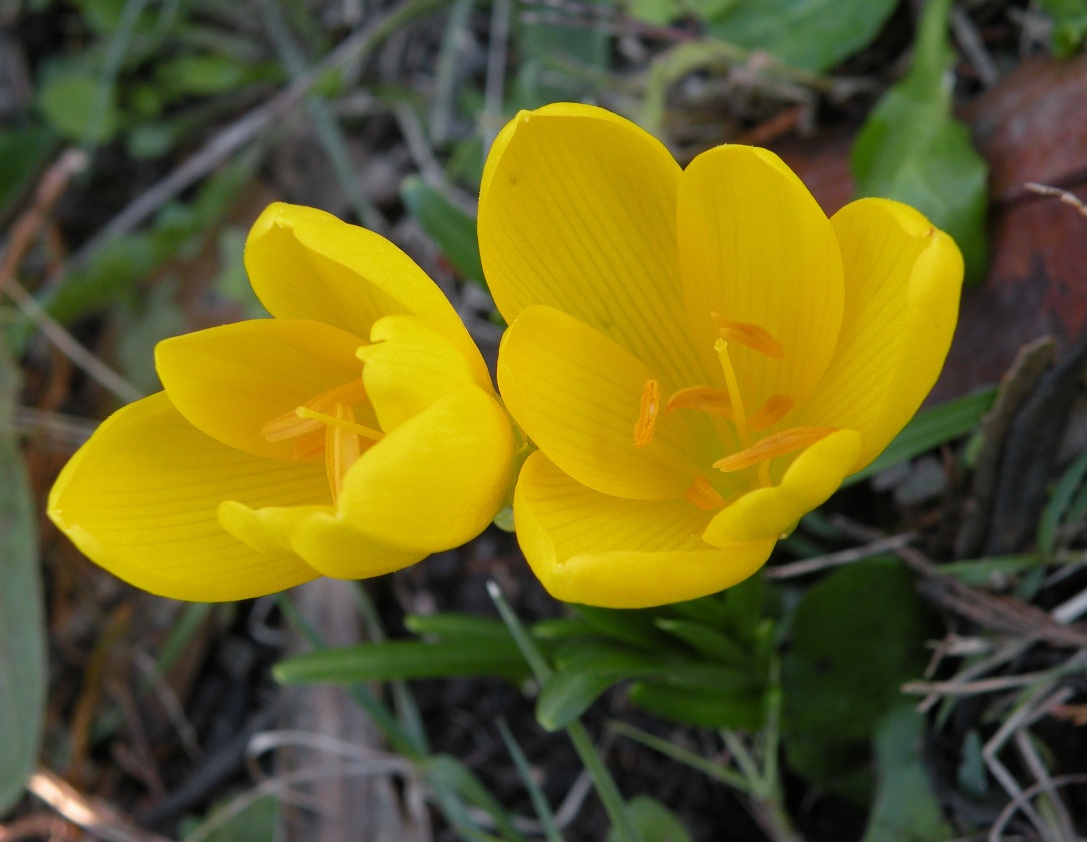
[22,153]
[567,693]
[912,149]
[635,627]
[539,800]
[450,626]
[699,707]
[706,641]
[931,428]
[450,227]
[1053,513]
[447,772]
[22,620]
[402,659]
[810,35]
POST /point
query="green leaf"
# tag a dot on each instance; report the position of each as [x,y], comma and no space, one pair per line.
[857,636]
[905,808]
[1069,25]
[912,149]
[742,711]
[200,75]
[451,228]
[635,627]
[255,823]
[403,659]
[539,799]
[568,692]
[930,428]
[459,627]
[707,641]
[810,35]
[22,620]
[75,104]
[654,821]
[22,153]
[1055,510]
[446,772]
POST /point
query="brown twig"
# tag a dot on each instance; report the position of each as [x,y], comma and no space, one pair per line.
[89,813]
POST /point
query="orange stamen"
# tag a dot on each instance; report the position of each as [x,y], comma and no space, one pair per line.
[771,412]
[344,419]
[702,398]
[752,335]
[703,495]
[341,446]
[291,424]
[647,414]
[787,441]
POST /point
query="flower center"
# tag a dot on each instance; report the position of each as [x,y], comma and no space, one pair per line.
[327,423]
[728,402]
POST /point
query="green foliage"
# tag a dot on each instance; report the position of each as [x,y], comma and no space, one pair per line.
[654,821]
[1067,507]
[930,428]
[1069,25]
[856,637]
[905,808]
[450,227]
[23,152]
[22,620]
[912,149]
[812,35]
[75,104]
[255,822]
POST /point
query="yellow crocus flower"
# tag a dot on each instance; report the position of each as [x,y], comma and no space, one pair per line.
[700,355]
[351,435]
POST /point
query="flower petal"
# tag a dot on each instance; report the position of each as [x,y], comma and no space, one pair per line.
[766,513]
[903,279]
[590,548]
[577,211]
[140,499]
[307,264]
[409,367]
[577,394]
[229,381]
[756,249]
[433,483]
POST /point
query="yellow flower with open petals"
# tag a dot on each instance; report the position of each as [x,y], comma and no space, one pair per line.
[700,355]
[280,449]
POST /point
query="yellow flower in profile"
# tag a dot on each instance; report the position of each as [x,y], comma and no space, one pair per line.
[700,355]
[351,435]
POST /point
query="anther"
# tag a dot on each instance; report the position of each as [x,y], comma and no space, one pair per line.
[703,495]
[292,424]
[703,399]
[787,441]
[751,335]
[771,412]
[344,419]
[341,446]
[647,414]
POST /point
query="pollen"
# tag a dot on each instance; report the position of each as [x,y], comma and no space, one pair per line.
[703,495]
[750,335]
[647,414]
[787,441]
[703,399]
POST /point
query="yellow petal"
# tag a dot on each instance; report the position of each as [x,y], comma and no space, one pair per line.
[590,548]
[756,250]
[409,367]
[433,483]
[577,211]
[307,264]
[140,499]
[230,381]
[577,395]
[903,279]
[766,513]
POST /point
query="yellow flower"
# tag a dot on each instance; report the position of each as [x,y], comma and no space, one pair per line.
[700,355]
[280,449]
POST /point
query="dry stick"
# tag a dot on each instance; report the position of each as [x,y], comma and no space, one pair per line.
[91,814]
[24,233]
[813,565]
[1066,196]
[236,135]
